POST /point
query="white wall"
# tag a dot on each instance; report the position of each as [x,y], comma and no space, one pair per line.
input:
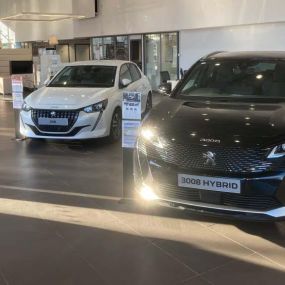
[36,31]
[197,43]
[246,24]
[41,31]
[137,16]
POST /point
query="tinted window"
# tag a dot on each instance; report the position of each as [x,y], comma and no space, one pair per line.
[85,76]
[235,78]
[135,73]
[125,73]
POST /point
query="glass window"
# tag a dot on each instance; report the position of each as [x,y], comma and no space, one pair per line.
[161,53]
[85,76]
[125,73]
[135,73]
[97,48]
[237,77]
[152,59]
[63,51]
[169,54]
[109,48]
[122,47]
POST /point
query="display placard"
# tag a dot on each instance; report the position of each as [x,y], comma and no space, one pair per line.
[132,106]
[131,113]
[130,132]
[131,118]
[18,100]
[17,91]
[17,84]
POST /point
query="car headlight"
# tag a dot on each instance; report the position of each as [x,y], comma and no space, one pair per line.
[26,107]
[98,107]
[277,151]
[151,136]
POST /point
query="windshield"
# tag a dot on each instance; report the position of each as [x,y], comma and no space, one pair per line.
[234,78]
[85,76]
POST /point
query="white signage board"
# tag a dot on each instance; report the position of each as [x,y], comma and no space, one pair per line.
[130,133]
[131,118]
[17,91]
[132,106]
[18,100]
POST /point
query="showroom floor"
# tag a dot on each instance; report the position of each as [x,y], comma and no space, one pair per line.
[61,223]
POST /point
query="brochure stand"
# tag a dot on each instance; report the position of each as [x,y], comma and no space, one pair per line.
[130,125]
[18,100]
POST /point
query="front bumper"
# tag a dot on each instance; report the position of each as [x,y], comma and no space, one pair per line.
[262,197]
[87,126]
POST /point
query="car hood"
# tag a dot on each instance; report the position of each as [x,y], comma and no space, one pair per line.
[220,122]
[66,98]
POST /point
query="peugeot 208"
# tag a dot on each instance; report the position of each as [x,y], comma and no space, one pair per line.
[84,101]
[217,144]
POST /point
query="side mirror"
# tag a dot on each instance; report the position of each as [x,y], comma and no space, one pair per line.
[125,82]
[47,81]
[165,88]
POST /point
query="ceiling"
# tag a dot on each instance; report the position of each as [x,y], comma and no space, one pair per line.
[45,10]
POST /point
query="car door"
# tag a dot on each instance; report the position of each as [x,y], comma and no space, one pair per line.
[125,74]
[138,84]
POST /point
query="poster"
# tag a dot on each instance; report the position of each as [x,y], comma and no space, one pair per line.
[18,100]
[17,84]
[130,133]
[132,106]
[17,91]
[131,118]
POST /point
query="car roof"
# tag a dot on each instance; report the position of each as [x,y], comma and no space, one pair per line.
[98,62]
[247,55]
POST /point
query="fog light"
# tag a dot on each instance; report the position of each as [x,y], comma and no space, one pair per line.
[147,193]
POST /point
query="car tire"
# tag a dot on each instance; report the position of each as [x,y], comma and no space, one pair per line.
[116,126]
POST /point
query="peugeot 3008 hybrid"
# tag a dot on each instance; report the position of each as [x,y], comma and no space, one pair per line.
[217,144]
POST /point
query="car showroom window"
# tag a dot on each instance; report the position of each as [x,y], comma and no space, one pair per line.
[85,76]
[135,73]
[125,73]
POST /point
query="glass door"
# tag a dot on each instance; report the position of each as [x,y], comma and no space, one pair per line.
[152,59]
[161,54]
[169,53]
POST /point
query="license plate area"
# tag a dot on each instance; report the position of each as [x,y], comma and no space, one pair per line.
[212,197]
[53,121]
[216,184]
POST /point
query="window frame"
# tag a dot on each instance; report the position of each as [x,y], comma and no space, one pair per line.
[136,69]
[125,64]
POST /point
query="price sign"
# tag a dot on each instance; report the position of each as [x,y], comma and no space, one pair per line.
[131,118]
[132,106]
[17,91]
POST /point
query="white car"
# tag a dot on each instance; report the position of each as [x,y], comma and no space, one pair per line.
[83,101]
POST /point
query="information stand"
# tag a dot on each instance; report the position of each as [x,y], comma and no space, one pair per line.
[18,100]
[130,125]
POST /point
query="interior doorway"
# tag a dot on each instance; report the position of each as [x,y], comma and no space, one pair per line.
[82,52]
[136,51]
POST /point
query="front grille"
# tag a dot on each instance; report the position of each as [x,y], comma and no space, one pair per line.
[254,202]
[71,115]
[229,159]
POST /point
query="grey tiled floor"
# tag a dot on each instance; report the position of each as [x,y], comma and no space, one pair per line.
[61,223]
